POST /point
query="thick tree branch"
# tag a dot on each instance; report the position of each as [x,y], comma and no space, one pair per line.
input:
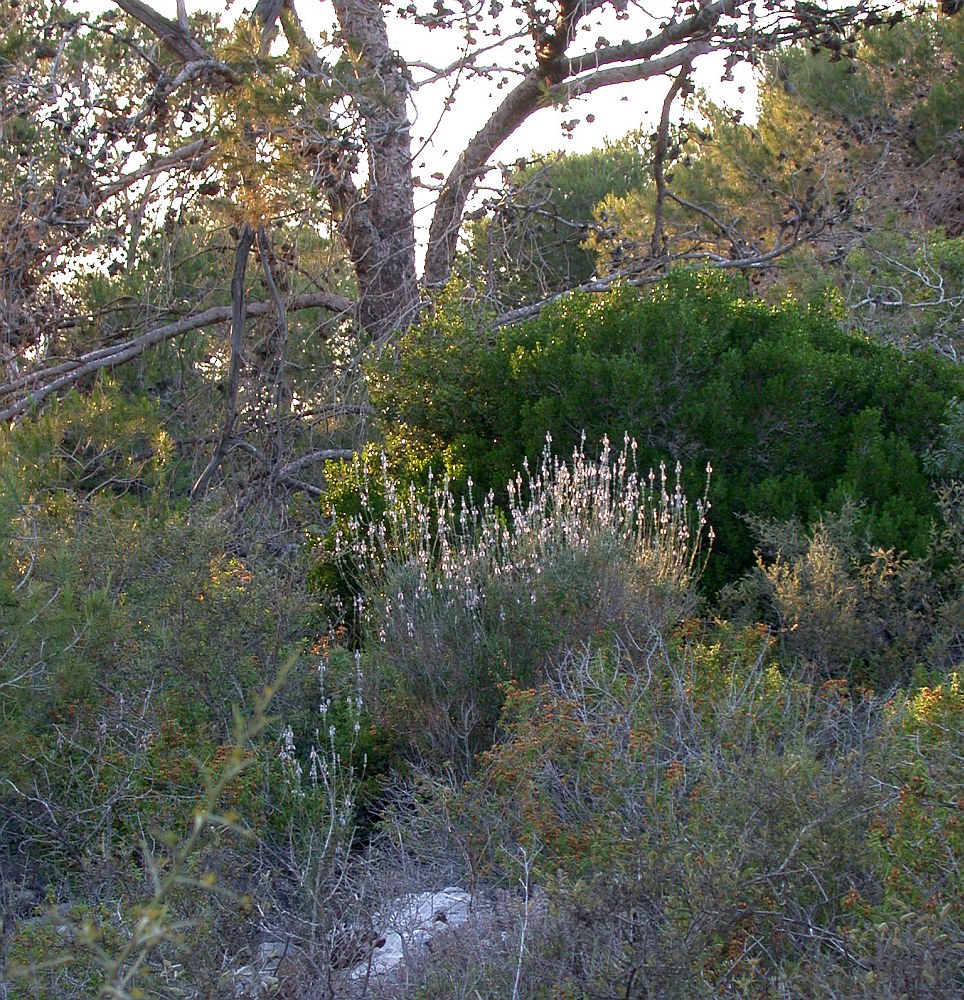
[32,388]
[523,101]
[177,39]
[380,228]
[617,75]
[299,41]
[313,458]
[282,397]
[699,26]
[528,97]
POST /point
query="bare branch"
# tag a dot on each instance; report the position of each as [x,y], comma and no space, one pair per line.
[287,473]
[193,156]
[467,61]
[659,158]
[735,240]
[234,368]
[647,272]
[60,376]
[173,35]
[313,458]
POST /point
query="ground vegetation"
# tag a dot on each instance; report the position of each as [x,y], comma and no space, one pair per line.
[635,615]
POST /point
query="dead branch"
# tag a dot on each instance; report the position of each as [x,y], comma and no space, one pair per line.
[175,36]
[234,368]
[282,400]
[31,389]
[659,157]
[646,272]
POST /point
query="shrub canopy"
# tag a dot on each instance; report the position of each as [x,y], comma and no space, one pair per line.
[795,415]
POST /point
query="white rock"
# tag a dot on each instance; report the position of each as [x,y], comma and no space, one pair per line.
[410,923]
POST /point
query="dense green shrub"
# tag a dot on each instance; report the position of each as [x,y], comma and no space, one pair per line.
[114,598]
[795,416]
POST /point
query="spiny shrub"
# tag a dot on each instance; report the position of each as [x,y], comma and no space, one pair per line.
[844,608]
[456,598]
[694,822]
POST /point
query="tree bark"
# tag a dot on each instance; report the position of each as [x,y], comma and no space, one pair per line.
[378,224]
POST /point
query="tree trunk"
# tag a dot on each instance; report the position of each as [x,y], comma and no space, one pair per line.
[378,224]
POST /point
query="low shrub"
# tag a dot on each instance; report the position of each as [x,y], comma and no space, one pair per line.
[455,599]
[844,608]
[696,823]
